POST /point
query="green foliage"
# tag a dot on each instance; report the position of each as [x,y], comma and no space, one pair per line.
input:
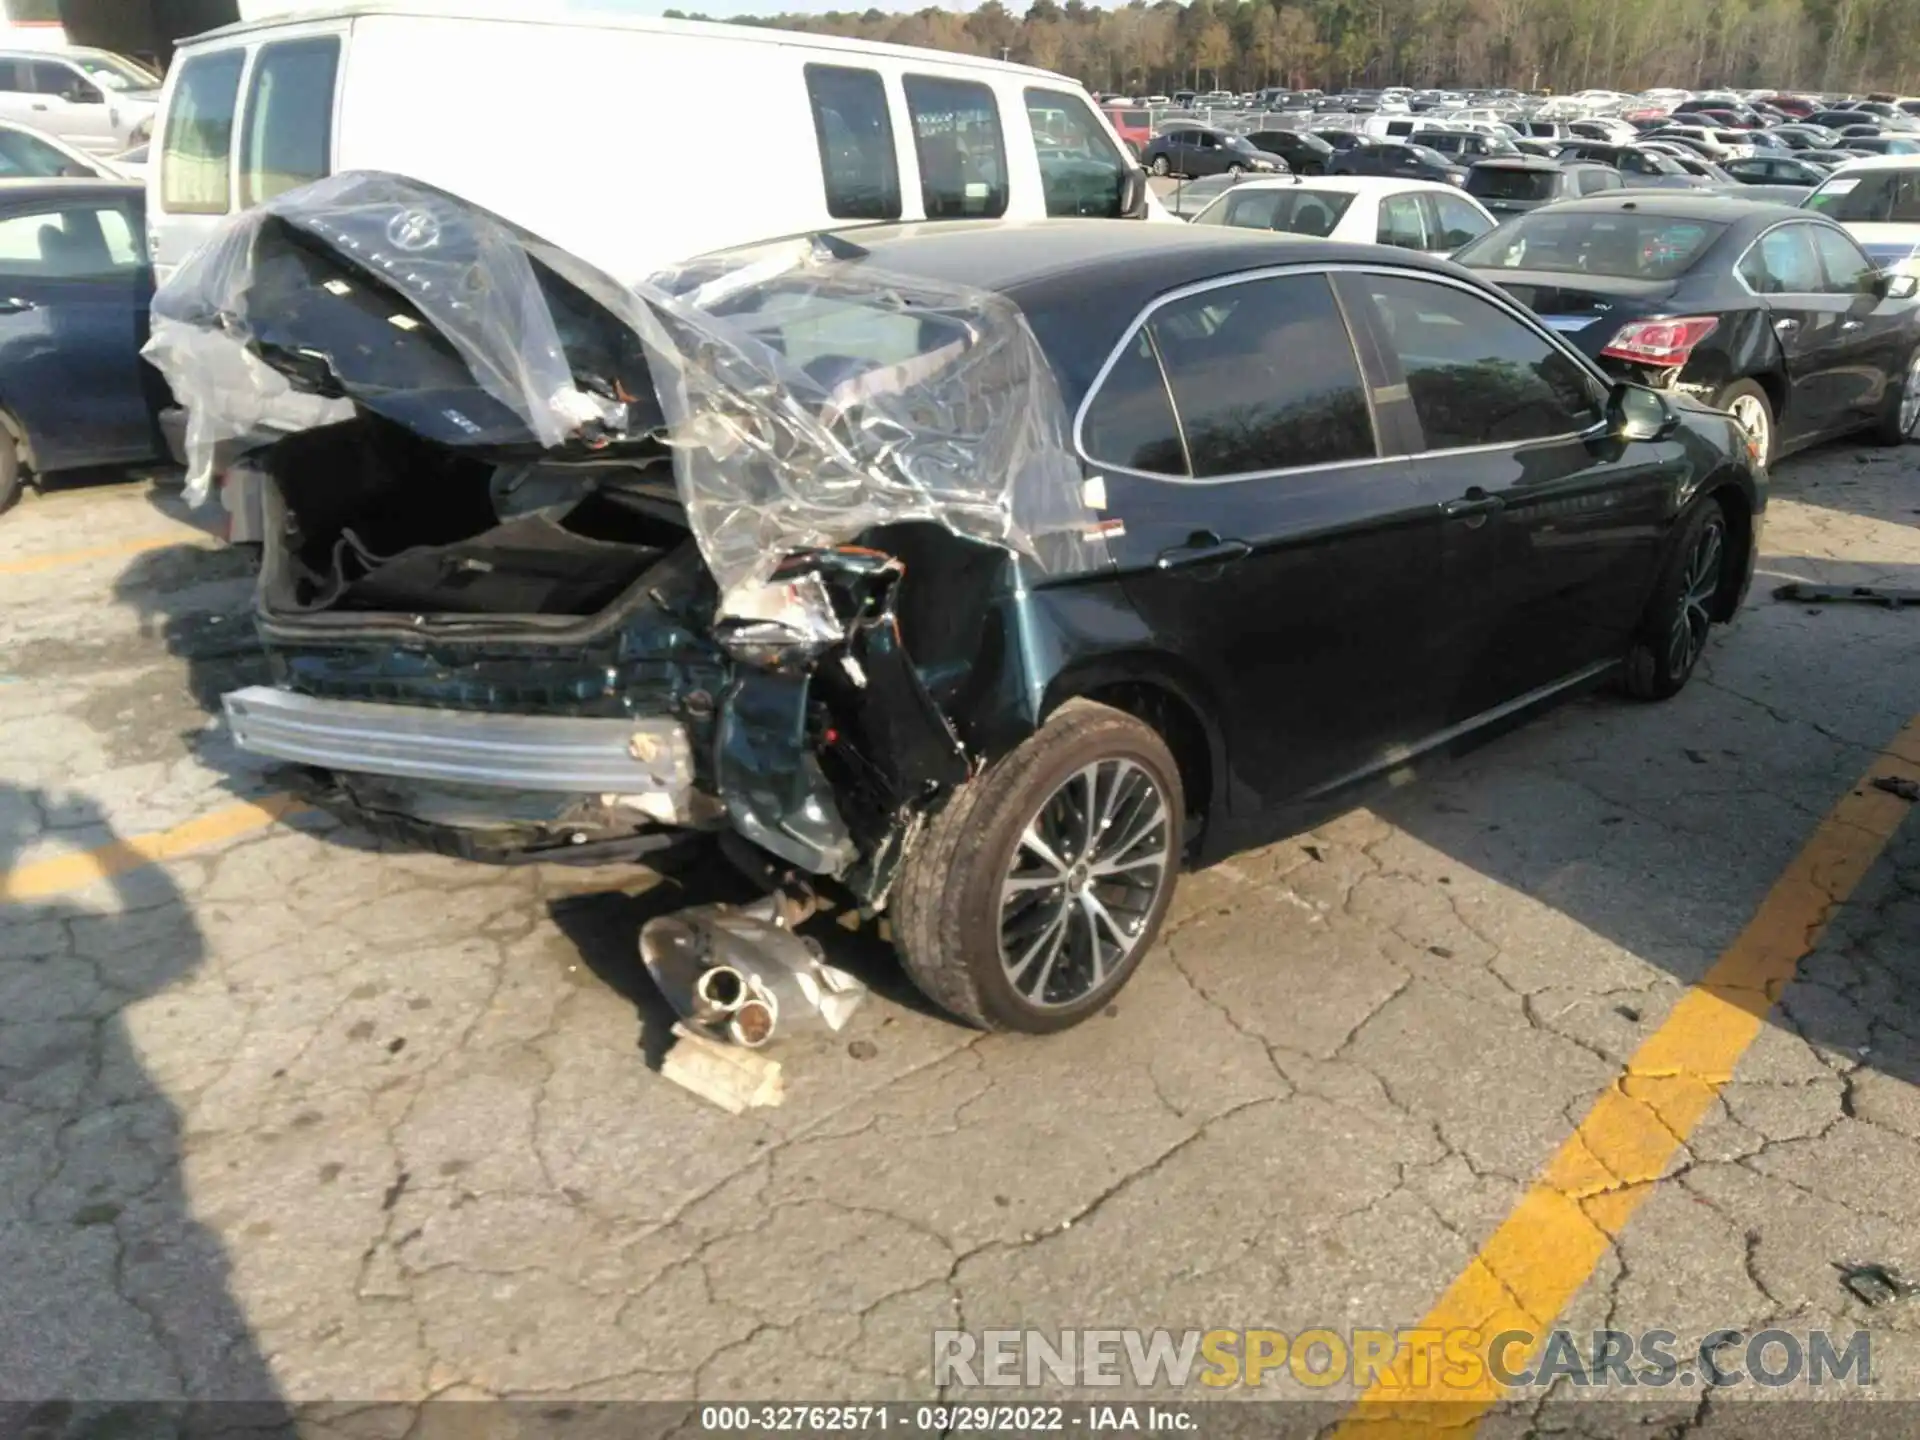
[1555,44]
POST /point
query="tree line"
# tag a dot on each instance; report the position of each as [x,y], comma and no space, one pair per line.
[1562,45]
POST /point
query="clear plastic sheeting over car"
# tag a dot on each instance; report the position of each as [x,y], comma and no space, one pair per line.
[462,272]
[811,397]
[807,395]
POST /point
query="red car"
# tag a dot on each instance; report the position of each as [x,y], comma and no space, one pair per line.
[1134,126]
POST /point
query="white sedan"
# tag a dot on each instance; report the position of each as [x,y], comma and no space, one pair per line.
[1362,209]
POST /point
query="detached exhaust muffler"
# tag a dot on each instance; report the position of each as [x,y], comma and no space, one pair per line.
[739,974]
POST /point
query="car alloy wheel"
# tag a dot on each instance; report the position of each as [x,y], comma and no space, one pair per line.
[1751,412]
[1160,166]
[1700,582]
[1910,398]
[1084,879]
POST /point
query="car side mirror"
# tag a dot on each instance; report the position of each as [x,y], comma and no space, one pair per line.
[83,94]
[1133,194]
[1641,414]
[1895,285]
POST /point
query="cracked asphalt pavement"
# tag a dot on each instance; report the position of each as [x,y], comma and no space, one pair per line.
[287,1113]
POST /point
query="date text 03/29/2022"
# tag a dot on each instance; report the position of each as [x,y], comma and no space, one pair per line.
[931,1419]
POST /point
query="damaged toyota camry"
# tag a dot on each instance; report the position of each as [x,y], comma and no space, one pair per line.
[984,573]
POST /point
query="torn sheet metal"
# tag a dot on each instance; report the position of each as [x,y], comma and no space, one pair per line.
[739,974]
[807,395]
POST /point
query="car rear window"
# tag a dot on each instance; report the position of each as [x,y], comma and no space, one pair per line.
[1499,182]
[1627,247]
[199,136]
[1294,210]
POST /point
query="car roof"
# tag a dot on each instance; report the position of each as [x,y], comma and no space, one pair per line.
[1879,162]
[1080,283]
[609,14]
[15,188]
[1344,184]
[1683,205]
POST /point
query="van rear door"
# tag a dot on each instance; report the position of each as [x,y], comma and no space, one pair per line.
[240,123]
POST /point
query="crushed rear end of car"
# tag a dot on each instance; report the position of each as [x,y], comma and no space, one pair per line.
[559,570]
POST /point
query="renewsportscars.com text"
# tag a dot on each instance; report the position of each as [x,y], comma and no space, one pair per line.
[1397,1359]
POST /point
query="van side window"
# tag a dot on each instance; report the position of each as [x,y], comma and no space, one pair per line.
[963,158]
[855,133]
[288,137]
[1081,173]
[199,135]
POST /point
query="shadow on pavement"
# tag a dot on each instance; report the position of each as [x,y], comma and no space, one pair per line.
[110,1289]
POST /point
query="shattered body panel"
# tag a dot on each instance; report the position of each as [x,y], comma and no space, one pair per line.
[809,409]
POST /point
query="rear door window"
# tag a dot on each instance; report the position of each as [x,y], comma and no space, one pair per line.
[195,159]
[855,135]
[289,127]
[1263,377]
[1401,223]
[962,153]
[1783,262]
[1081,171]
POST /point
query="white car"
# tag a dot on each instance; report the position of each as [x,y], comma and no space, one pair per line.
[30,154]
[90,98]
[1878,201]
[1359,209]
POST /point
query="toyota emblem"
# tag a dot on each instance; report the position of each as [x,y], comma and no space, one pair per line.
[414,230]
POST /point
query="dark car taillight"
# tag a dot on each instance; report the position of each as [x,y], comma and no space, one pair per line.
[1664,344]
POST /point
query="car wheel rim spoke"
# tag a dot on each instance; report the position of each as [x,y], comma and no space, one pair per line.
[1701,583]
[1085,876]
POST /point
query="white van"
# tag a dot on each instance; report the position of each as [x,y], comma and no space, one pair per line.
[632,142]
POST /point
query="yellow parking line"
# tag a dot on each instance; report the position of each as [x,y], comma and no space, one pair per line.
[34,564]
[43,878]
[1546,1249]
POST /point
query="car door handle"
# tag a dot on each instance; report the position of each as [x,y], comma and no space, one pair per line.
[1476,502]
[14,305]
[1849,324]
[39,105]
[1203,550]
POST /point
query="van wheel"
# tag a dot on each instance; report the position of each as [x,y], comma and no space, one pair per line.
[1674,632]
[12,482]
[1161,167]
[1033,896]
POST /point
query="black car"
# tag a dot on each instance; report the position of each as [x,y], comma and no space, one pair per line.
[1057,555]
[1639,167]
[1304,154]
[1770,312]
[1525,182]
[1464,147]
[1198,150]
[1393,157]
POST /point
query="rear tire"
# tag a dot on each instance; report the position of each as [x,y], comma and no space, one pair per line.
[1674,631]
[1161,167]
[12,481]
[1754,411]
[981,925]
[1900,414]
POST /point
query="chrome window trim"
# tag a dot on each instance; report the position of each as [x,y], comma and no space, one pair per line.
[1201,287]
[1491,296]
[1812,221]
